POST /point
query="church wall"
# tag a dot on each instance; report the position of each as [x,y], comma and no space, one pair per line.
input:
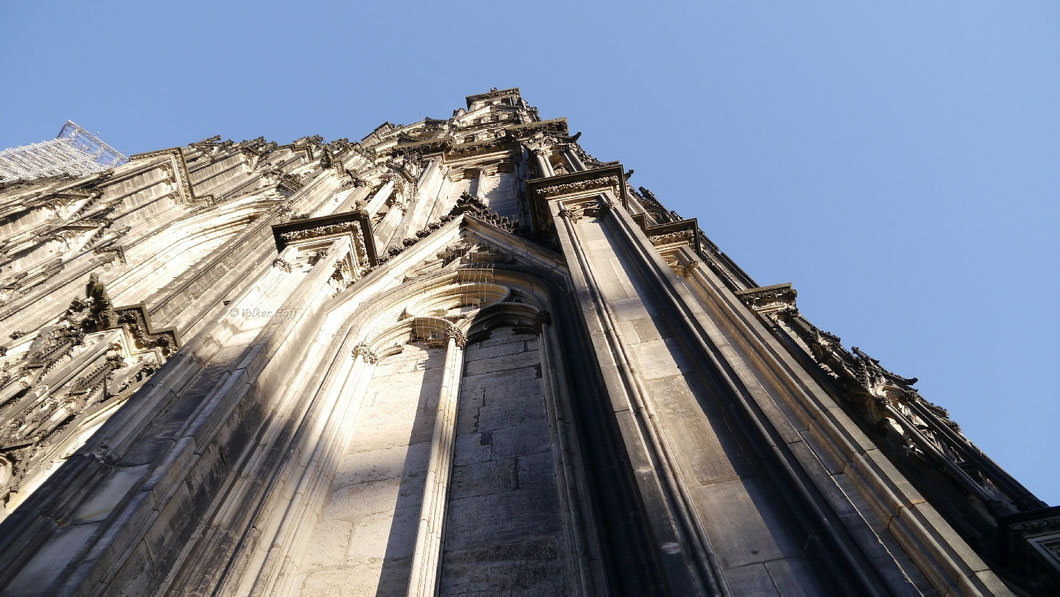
[725,489]
[580,218]
[546,386]
[500,194]
[504,530]
[365,534]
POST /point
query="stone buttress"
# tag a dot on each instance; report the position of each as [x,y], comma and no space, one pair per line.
[457,356]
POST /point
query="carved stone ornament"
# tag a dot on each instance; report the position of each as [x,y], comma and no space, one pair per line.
[653,206]
[112,252]
[472,206]
[365,351]
[134,318]
[356,224]
[555,126]
[603,207]
[890,403]
[686,269]
[320,231]
[457,335]
[568,188]
[769,298]
[570,214]
[680,236]
[183,179]
[583,184]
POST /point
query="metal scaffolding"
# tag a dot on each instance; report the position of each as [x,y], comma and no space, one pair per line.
[75,151]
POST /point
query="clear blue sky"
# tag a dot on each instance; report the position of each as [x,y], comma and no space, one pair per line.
[899,163]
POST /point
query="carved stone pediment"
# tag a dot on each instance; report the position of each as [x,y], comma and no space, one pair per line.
[540,191]
[682,231]
[766,299]
[135,320]
[357,224]
[472,206]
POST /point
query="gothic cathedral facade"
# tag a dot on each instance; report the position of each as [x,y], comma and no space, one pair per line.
[460,356]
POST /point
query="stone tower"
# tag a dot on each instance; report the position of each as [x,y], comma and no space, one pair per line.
[458,356]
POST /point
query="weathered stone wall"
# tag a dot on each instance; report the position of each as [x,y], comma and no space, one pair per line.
[504,531]
[363,541]
[459,356]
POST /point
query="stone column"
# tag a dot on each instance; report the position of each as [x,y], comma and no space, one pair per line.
[379,198]
[543,163]
[426,562]
[574,160]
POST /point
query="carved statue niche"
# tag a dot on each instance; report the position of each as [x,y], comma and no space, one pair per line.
[101,307]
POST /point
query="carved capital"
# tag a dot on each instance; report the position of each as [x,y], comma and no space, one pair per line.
[456,334]
[365,352]
[686,269]
[571,214]
[603,207]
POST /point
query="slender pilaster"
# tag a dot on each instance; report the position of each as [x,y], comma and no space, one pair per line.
[542,163]
[426,562]
[377,200]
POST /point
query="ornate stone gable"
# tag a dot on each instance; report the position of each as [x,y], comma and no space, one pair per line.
[356,224]
[572,186]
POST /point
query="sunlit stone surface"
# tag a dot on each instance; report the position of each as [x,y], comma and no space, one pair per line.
[460,356]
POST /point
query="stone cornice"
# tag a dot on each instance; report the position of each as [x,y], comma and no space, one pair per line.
[555,126]
[672,232]
[496,145]
[542,190]
[765,299]
[427,147]
[355,223]
[578,183]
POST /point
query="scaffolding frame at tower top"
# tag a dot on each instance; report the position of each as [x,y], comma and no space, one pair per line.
[74,151]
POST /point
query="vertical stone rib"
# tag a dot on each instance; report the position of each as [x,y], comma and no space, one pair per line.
[426,560]
[585,559]
[380,198]
[542,163]
[704,574]
[322,450]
